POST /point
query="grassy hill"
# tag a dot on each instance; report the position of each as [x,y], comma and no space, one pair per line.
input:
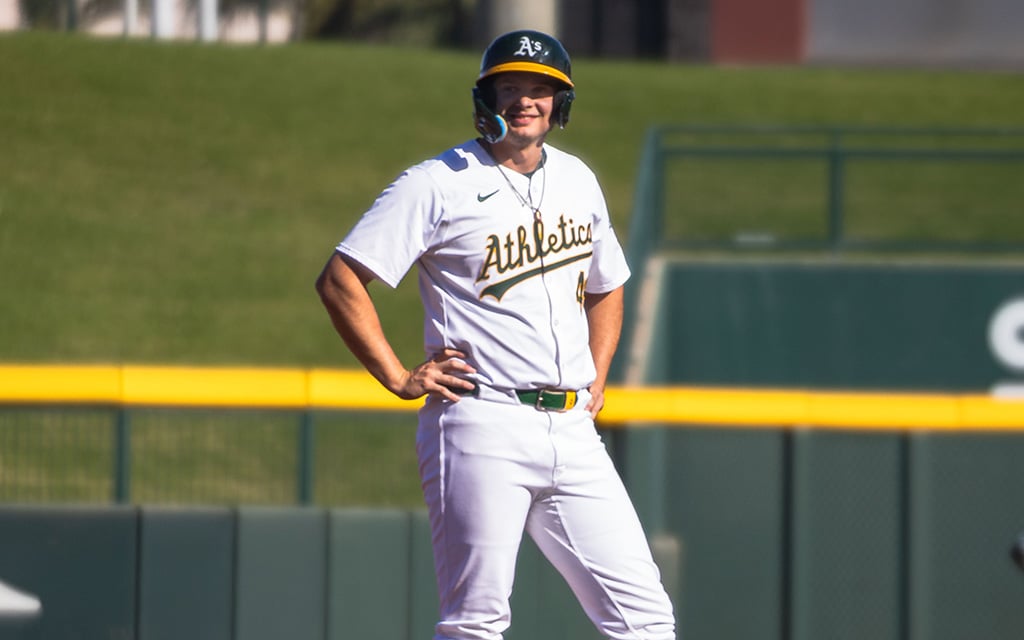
[173,203]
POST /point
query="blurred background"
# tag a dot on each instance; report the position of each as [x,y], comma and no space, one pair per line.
[820,411]
[985,32]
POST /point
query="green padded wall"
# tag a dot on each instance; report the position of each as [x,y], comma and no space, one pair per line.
[423,604]
[281,581]
[186,573]
[725,497]
[968,510]
[792,534]
[370,586]
[381,582]
[847,558]
[834,324]
[80,562]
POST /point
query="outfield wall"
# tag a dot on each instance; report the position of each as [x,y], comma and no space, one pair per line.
[833,447]
[825,322]
[810,533]
[115,573]
[890,534]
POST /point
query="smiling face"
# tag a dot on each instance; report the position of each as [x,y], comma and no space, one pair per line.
[525,101]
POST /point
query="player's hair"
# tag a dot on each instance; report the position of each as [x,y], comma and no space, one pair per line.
[522,50]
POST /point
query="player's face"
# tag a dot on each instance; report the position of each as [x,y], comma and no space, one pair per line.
[525,101]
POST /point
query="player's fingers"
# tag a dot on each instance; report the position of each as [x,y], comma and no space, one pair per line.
[445,393]
[459,385]
[595,404]
[423,379]
[419,387]
[447,354]
[451,388]
[456,367]
[431,378]
[448,374]
[438,376]
[453,360]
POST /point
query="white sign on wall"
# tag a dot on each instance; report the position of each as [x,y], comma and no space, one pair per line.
[1006,341]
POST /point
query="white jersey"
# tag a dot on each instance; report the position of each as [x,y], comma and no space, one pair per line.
[504,260]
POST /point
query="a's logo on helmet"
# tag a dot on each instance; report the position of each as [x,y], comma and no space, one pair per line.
[529,47]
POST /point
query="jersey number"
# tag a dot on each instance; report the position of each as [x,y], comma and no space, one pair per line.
[581,290]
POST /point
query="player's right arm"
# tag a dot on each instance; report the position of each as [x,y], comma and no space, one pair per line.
[342,286]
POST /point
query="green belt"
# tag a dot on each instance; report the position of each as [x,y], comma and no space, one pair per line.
[548,399]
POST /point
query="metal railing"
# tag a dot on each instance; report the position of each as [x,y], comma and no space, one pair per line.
[685,171]
[776,189]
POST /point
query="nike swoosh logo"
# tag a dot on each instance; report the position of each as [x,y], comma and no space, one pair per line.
[481,198]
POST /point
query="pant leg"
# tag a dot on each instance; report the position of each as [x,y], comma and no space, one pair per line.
[587,527]
[477,466]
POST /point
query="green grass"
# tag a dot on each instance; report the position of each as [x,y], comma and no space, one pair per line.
[173,203]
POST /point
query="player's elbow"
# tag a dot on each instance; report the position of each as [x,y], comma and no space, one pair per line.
[338,283]
[321,283]
[328,283]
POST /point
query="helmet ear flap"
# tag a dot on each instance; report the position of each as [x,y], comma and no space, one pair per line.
[490,125]
[562,104]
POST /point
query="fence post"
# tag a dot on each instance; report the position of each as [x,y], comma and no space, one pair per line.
[835,190]
[305,459]
[122,457]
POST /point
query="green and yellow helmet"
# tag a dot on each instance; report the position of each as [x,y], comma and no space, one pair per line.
[522,50]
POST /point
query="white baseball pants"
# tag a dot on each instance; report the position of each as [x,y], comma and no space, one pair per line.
[491,470]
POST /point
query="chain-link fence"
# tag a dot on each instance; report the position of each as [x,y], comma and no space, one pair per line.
[207,456]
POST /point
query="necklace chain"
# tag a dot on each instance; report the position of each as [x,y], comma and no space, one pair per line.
[528,200]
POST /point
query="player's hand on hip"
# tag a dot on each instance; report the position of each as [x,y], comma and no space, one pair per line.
[439,376]
[596,401]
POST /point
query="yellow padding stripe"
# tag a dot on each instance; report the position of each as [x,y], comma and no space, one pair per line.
[195,387]
[232,387]
[343,389]
[786,407]
[337,389]
[60,383]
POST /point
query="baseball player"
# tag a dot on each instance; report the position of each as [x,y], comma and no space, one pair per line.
[521,278]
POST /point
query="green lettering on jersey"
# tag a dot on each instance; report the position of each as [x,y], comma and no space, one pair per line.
[526,246]
[498,289]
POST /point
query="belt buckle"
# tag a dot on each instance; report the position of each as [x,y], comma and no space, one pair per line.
[539,405]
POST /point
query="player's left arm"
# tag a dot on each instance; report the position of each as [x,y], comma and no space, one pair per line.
[604,317]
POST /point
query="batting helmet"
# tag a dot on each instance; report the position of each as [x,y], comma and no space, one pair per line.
[523,50]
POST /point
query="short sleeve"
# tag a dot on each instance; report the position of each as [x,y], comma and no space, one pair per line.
[398,228]
[608,269]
